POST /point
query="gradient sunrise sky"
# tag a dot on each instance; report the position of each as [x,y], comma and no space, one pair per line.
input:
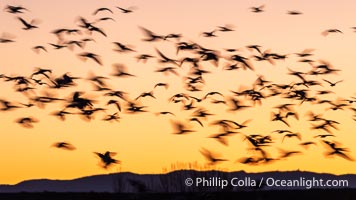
[144,142]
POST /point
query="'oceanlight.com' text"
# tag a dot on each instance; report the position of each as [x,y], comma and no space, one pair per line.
[302,182]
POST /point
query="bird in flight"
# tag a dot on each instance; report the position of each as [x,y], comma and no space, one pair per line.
[120,70]
[195,119]
[165,85]
[236,105]
[258,9]
[112,117]
[332,84]
[15,9]
[336,150]
[328,31]
[61,114]
[144,57]
[226,28]
[7,105]
[122,48]
[294,12]
[27,25]
[101,10]
[211,157]
[64,145]
[165,59]
[290,135]
[38,48]
[165,113]
[126,10]
[145,94]
[167,70]
[6,38]
[180,128]
[27,122]
[285,154]
[151,36]
[92,56]
[279,117]
[106,159]
[209,33]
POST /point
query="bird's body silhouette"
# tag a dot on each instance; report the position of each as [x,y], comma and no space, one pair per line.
[328,31]
[115,102]
[279,117]
[126,10]
[181,128]
[61,114]
[57,46]
[122,48]
[209,33]
[150,36]
[64,145]
[167,70]
[236,105]
[92,56]
[102,10]
[112,117]
[336,150]
[222,137]
[15,9]
[211,157]
[258,9]
[7,38]
[290,135]
[106,159]
[165,85]
[332,84]
[7,106]
[144,57]
[116,93]
[294,12]
[27,122]
[165,113]
[28,25]
[120,70]
[135,108]
[105,19]
[38,48]
[195,119]
[79,102]
[165,59]
[97,29]
[146,94]
[307,144]
[286,154]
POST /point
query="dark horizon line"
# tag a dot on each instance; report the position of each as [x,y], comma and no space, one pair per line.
[179,171]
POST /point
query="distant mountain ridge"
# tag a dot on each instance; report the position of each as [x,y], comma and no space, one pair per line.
[214,181]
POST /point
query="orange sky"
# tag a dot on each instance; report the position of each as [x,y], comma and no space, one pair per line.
[144,142]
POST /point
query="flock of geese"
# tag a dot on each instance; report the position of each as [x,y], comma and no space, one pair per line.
[311,87]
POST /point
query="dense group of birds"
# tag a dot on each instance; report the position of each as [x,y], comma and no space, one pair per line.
[312,87]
